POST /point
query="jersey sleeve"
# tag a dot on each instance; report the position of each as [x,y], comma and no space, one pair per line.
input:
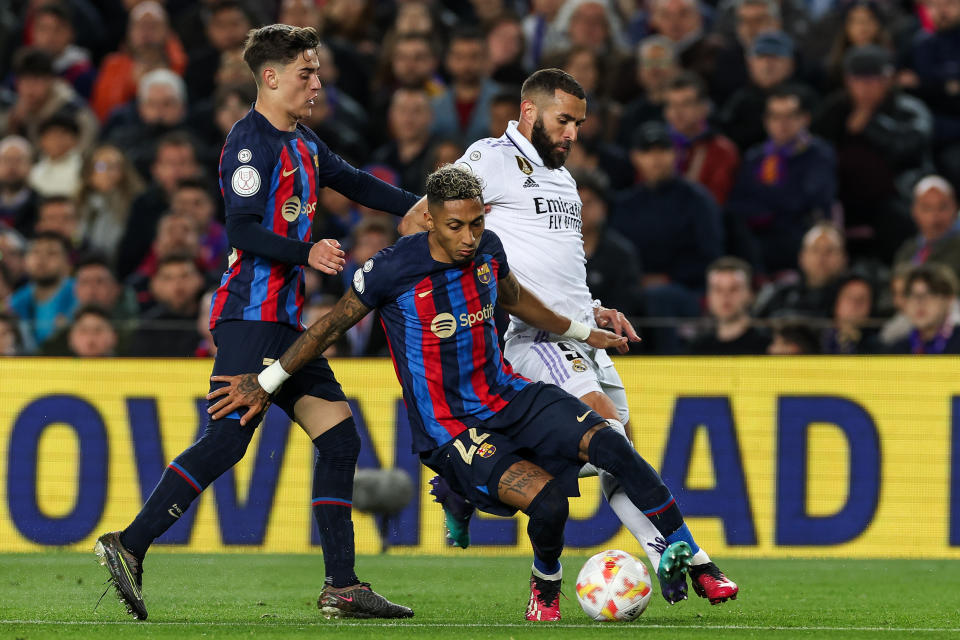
[487,163]
[374,279]
[491,245]
[246,169]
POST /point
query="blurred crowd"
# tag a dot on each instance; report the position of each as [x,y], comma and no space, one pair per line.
[757,176]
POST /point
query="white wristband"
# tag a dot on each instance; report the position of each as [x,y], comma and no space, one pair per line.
[272,377]
[577,331]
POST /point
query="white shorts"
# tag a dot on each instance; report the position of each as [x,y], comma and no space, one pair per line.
[574,366]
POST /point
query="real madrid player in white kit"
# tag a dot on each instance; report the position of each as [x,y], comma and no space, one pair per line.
[534,208]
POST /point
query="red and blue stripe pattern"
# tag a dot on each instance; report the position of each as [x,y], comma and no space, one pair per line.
[451,382]
[183,473]
[655,511]
[337,502]
[258,288]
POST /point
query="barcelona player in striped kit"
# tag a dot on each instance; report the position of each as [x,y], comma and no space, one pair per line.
[271,169]
[500,440]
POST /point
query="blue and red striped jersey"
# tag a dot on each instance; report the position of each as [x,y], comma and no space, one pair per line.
[438,318]
[277,175]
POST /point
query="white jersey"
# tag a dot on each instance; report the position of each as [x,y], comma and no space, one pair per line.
[536,213]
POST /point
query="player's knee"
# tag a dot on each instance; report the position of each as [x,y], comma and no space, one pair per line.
[550,507]
[610,450]
[340,443]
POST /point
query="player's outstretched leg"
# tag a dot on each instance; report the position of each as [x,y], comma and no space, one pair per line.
[457,512]
[222,445]
[608,450]
[126,573]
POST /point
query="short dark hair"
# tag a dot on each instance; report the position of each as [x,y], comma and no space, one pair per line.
[59,120]
[375,224]
[547,81]
[53,236]
[800,333]
[194,183]
[277,43]
[787,90]
[593,179]
[94,259]
[92,310]
[732,263]
[228,5]
[425,38]
[453,182]
[177,258]
[466,32]
[31,61]
[176,138]
[939,278]
[509,96]
[690,80]
[56,9]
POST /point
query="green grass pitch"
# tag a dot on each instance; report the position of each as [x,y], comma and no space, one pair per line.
[46,595]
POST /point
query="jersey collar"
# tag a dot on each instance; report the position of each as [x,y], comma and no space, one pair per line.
[520,141]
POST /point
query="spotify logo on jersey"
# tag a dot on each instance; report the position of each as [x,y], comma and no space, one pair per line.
[444,325]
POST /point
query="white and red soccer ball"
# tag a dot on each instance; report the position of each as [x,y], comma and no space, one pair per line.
[614,586]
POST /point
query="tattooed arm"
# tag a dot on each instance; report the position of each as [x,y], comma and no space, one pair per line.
[520,302]
[245,390]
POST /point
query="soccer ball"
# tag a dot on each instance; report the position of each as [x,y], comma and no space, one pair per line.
[613,586]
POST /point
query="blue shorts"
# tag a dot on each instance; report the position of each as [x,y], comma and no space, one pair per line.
[542,424]
[249,346]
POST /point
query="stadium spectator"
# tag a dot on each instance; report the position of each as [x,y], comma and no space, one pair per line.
[52,31]
[18,201]
[673,222]
[169,327]
[936,80]
[13,249]
[192,198]
[852,309]
[227,23]
[770,63]
[462,111]
[822,259]
[6,286]
[231,102]
[410,61]
[934,212]
[207,347]
[682,22]
[537,28]
[94,284]
[366,338]
[414,16]
[443,152]
[613,266]
[897,326]
[704,155]
[733,19]
[92,334]
[593,152]
[160,107]
[345,110]
[594,24]
[864,22]
[177,235]
[882,139]
[150,44]
[108,186]
[319,306]
[930,292]
[174,160]
[656,68]
[750,18]
[47,301]
[410,118]
[794,338]
[504,107]
[58,214]
[729,298]
[505,46]
[785,183]
[675,226]
[57,170]
[40,94]
[11,341]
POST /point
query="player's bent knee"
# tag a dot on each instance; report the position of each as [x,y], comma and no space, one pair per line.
[340,443]
[550,507]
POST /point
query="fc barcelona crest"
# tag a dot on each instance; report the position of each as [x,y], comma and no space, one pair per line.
[483,273]
[524,165]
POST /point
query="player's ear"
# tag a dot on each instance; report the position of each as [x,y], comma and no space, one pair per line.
[528,111]
[269,75]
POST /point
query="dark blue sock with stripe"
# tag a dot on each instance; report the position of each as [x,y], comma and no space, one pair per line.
[614,454]
[337,452]
[222,445]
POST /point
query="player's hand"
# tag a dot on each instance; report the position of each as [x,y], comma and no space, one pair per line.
[241,391]
[616,322]
[603,339]
[326,256]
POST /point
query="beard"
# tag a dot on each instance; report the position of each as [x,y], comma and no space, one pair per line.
[12,185]
[47,280]
[547,148]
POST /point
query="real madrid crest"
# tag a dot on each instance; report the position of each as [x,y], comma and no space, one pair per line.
[524,165]
[578,365]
